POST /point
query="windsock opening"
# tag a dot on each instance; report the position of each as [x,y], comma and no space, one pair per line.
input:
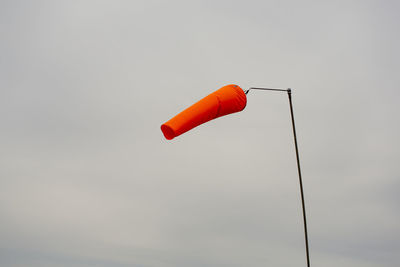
[167,131]
[226,100]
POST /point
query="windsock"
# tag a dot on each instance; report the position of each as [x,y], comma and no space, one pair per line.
[226,100]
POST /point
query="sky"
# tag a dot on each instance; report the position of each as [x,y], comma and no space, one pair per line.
[87,178]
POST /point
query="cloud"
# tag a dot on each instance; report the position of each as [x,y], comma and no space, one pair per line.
[86,178]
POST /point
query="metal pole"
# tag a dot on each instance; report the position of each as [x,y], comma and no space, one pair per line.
[289,91]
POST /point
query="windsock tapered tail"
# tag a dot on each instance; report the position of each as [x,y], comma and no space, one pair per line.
[226,100]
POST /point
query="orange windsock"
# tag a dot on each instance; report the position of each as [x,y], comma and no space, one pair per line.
[226,100]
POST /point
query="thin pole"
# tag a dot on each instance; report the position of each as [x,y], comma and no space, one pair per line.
[268,89]
[265,89]
[289,91]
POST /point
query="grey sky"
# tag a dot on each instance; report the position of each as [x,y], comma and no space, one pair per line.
[87,179]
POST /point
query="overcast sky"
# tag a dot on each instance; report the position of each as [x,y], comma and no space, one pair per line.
[87,178]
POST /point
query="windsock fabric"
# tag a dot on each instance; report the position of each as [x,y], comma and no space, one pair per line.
[226,100]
